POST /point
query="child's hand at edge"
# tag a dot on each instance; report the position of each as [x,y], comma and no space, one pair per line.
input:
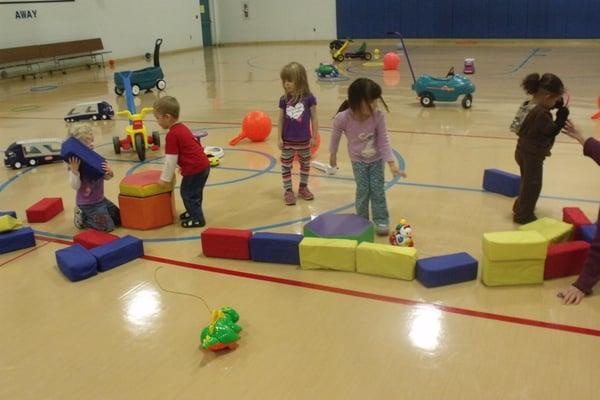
[571,295]
[396,171]
[74,163]
[108,172]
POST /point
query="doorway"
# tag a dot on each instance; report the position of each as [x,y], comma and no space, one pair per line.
[205,22]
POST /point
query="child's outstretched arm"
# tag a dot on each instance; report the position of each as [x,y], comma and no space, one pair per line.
[315,124]
[280,130]
[168,169]
[590,275]
[336,135]
[74,178]
[385,148]
[108,172]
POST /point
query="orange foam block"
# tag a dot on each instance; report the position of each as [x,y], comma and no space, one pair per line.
[147,212]
[45,209]
[144,184]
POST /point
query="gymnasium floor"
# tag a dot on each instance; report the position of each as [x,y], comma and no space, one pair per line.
[306,334]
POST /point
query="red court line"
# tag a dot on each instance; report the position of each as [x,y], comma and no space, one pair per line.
[368,295]
[27,252]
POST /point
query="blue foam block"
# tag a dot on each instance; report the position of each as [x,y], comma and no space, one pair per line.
[16,240]
[76,262]
[446,270]
[91,162]
[501,182]
[588,232]
[279,248]
[117,252]
[11,213]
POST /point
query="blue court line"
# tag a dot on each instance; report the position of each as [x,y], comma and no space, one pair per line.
[267,169]
[14,178]
[529,57]
[388,185]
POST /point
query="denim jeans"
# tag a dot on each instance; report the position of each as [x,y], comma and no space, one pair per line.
[191,188]
[102,216]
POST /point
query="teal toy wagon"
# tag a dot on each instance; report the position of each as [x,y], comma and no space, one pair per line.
[143,79]
[449,88]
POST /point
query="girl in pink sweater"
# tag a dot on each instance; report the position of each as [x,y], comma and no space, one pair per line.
[368,146]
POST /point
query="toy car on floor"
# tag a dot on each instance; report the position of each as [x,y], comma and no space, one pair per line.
[338,51]
[450,88]
[143,79]
[327,71]
[430,88]
[94,111]
[32,152]
[469,67]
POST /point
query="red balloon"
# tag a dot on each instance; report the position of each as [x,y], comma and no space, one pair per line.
[391,61]
[256,126]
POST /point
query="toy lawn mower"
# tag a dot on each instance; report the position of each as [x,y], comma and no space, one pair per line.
[338,51]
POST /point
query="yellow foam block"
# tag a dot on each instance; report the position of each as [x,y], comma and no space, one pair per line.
[522,272]
[8,223]
[552,229]
[319,253]
[386,260]
[144,184]
[514,245]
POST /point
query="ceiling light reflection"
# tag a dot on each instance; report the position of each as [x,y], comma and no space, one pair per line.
[425,324]
[142,306]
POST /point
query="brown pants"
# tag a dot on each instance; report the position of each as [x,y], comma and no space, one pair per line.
[532,169]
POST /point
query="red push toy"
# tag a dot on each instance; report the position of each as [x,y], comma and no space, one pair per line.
[45,209]
[226,243]
[256,127]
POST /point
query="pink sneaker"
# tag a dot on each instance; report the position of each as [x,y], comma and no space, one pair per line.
[289,198]
[305,194]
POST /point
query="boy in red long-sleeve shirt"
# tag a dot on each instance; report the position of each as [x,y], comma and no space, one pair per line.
[183,150]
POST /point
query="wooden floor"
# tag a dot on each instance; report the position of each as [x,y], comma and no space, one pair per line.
[306,334]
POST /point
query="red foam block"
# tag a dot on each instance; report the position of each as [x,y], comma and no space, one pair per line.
[93,238]
[45,209]
[565,259]
[574,215]
[226,243]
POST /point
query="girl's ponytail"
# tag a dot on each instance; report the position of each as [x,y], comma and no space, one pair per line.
[344,106]
[531,83]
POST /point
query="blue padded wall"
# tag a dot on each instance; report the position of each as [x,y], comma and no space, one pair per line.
[469,18]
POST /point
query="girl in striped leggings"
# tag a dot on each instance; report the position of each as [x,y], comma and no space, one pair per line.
[297,114]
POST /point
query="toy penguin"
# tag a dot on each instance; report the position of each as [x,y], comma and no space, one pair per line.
[402,235]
